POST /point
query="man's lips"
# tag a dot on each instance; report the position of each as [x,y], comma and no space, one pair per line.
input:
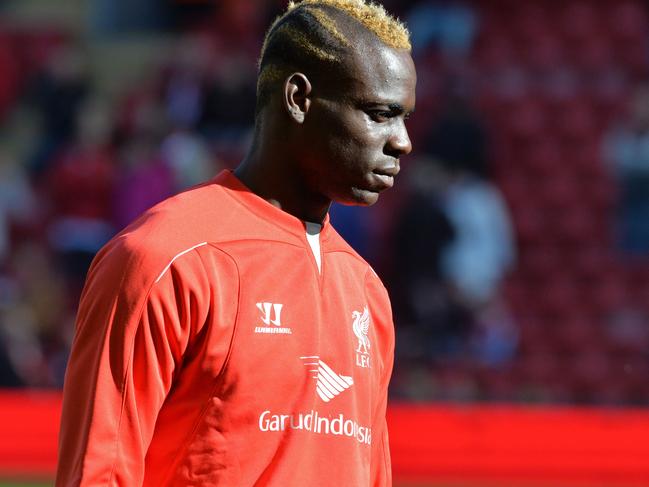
[391,170]
[385,175]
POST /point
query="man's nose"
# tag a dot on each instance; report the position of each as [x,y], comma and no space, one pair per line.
[399,142]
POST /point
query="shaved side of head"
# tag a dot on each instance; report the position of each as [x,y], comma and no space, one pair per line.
[318,38]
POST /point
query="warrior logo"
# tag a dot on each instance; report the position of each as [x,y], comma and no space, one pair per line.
[266,314]
[271,314]
[361,326]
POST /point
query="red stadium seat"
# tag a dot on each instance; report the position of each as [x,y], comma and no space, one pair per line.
[606,295]
[530,21]
[559,296]
[557,192]
[579,333]
[545,54]
[534,337]
[553,79]
[609,92]
[579,21]
[576,121]
[527,119]
[543,158]
[540,367]
[536,263]
[530,225]
[495,52]
[580,224]
[591,261]
[627,20]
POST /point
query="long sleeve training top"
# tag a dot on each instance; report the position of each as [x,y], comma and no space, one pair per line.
[211,350]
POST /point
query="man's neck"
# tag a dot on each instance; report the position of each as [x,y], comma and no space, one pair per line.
[277,180]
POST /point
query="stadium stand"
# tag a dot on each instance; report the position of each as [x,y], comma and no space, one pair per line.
[547,80]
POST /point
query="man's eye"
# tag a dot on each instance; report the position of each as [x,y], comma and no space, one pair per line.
[380,116]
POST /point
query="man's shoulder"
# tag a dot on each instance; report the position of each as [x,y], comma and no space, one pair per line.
[203,213]
[189,220]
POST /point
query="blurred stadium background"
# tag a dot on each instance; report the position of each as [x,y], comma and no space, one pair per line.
[515,246]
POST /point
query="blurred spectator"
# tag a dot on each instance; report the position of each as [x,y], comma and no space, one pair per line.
[58,93]
[457,136]
[210,90]
[33,327]
[18,203]
[452,28]
[9,67]
[626,149]
[431,322]
[144,176]
[241,24]
[185,99]
[351,222]
[184,90]
[80,186]
[229,108]
[483,249]
[188,158]
[144,180]
[113,17]
[9,377]
[477,261]
[496,336]
[453,247]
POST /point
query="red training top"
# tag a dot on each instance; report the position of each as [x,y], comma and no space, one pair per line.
[210,351]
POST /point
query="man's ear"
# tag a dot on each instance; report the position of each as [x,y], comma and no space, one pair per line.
[297,91]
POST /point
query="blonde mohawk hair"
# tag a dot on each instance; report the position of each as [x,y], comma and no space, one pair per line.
[307,36]
[372,15]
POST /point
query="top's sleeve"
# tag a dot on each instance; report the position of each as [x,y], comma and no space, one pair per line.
[380,467]
[132,332]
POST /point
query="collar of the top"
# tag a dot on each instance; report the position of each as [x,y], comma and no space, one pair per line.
[264,209]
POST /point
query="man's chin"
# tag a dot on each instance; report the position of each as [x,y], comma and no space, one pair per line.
[361,197]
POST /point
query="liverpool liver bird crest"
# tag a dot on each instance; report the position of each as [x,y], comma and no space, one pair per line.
[361,326]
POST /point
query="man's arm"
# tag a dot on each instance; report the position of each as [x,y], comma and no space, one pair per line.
[133,328]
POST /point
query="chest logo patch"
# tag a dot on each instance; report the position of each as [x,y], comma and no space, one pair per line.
[271,314]
[361,327]
[329,384]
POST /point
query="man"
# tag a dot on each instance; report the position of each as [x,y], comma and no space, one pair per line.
[230,336]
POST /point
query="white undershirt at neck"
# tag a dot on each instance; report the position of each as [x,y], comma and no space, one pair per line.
[313,237]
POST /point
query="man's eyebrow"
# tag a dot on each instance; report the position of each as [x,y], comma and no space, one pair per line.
[396,108]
